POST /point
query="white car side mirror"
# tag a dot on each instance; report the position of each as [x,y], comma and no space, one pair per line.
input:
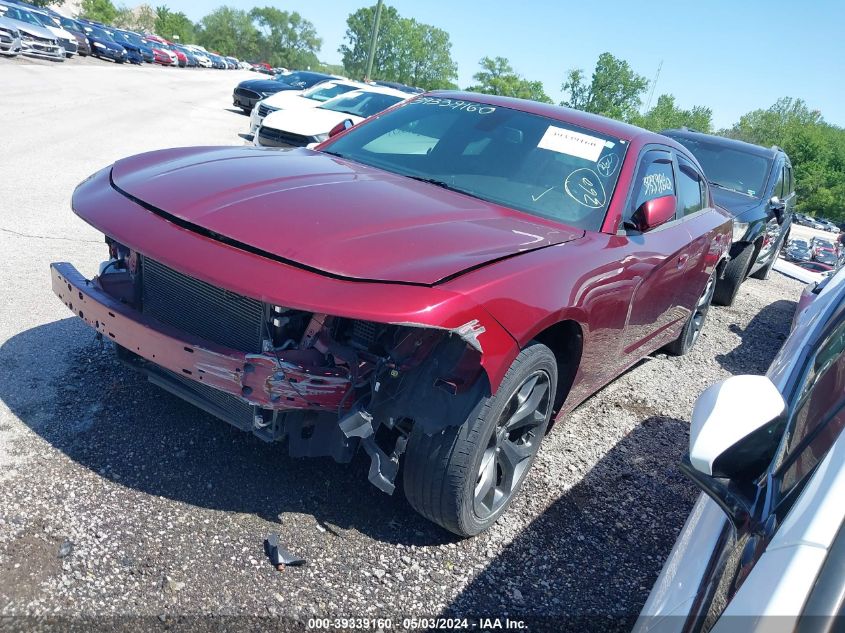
[725,418]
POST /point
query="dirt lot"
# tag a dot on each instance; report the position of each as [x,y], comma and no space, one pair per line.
[118,499]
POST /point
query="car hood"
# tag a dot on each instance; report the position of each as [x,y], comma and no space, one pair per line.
[330,215]
[265,85]
[31,29]
[734,202]
[307,121]
[107,43]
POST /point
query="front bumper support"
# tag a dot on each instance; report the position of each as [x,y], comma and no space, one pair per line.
[269,380]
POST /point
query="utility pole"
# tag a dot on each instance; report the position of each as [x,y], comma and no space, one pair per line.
[373,39]
[653,86]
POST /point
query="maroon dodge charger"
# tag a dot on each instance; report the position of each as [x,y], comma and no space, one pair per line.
[433,286]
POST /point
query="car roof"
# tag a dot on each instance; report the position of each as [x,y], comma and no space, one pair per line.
[742,146]
[587,120]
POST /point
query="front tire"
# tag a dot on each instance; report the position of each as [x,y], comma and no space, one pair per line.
[735,272]
[465,477]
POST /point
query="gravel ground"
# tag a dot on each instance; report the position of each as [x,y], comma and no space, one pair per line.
[118,499]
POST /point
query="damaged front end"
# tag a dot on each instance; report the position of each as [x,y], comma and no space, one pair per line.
[327,384]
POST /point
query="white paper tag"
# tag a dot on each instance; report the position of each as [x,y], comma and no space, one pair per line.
[557,139]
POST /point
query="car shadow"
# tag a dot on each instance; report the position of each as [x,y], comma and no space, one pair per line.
[110,420]
[588,562]
[236,111]
[755,351]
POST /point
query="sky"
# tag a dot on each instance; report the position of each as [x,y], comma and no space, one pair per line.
[732,56]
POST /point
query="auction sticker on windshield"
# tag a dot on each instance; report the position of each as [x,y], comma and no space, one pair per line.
[563,141]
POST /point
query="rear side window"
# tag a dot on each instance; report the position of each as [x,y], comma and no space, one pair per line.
[691,189]
[654,179]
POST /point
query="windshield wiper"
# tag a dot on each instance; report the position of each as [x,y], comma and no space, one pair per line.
[338,154]
[433,181]
[726,188]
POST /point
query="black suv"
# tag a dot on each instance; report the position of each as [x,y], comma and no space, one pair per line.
[755,184]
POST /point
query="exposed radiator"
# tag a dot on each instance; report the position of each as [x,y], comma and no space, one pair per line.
[201,309]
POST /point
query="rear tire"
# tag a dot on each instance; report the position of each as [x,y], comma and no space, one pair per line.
[735,272]
[465,477]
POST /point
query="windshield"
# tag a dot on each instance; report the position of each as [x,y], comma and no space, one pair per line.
[100,33]
[322,92]
[363,104]
[298,80]
[528,162]
[18,14]
[46,20]
[730,168]
[70,25]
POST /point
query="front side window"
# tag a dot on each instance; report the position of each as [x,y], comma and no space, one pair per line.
[654,179]
[524,161]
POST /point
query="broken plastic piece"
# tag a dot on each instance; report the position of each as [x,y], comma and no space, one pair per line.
[358,423]
[278,555]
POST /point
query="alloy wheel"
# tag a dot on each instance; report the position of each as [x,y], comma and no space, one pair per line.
[700,311]
[512,444]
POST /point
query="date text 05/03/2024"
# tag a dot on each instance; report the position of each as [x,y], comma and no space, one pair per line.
[423,623]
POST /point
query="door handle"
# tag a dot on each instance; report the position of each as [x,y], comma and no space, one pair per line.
[682,260]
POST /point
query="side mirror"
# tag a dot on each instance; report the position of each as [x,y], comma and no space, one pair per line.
[341,127]
[735,429]
[653,213]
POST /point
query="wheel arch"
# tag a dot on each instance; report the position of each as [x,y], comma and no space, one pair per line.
[566,340]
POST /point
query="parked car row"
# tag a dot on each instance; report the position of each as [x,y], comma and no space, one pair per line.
[300,108]
[816,223]
[40,32]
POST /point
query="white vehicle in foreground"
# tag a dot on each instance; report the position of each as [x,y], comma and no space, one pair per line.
[296,100]
[764,547]
[298,128]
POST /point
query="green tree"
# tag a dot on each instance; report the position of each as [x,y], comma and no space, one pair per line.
[815,147]
[98,10]
[286,39]
[497,77]
[406,51]
[614,91]
[141,19]
[45,3]
[229,31]
[174,25]
[665,115]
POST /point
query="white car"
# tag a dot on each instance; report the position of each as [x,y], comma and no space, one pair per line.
[764,546]
[66,39]
[298,128]
[296,100]
[200,54]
